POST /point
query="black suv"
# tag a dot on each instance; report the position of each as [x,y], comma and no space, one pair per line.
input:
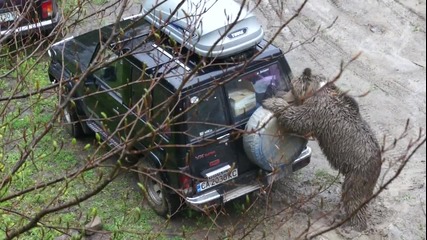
[195,123]
[24,17]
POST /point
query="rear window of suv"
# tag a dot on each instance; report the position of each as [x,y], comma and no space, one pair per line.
[209,108]
[246,93]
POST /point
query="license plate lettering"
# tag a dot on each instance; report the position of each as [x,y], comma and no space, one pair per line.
[7,17]
[217,179]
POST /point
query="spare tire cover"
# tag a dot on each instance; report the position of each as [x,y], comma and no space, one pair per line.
[267,145]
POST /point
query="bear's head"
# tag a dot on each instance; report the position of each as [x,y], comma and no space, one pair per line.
[306,85]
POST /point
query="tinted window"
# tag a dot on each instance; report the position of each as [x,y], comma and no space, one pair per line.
[115,75]
[139,86]
[207,113]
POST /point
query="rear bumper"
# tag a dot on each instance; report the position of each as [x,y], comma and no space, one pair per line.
[27,29]
[248,183]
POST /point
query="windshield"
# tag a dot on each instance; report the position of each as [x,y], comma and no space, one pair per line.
[246,93]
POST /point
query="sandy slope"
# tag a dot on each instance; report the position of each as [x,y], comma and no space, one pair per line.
[392,38]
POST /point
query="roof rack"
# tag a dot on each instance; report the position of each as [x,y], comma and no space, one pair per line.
[210,28]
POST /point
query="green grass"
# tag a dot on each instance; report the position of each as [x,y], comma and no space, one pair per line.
[70,6]
[100,2]
[324,178]
[119,205]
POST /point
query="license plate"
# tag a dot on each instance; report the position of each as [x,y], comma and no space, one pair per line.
[217,179]
[7,17]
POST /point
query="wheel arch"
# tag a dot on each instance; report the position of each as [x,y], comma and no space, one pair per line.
[157,157]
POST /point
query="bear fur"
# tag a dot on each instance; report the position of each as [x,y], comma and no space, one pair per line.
[323,111]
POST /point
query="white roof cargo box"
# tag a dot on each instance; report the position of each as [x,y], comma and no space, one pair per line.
[199,25]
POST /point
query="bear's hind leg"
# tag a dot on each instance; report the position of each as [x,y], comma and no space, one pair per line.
[355,191]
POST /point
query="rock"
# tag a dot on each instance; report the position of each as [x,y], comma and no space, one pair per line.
[63,237]
[93,226]
[68,236]
[99,236]
[394,233]
[331,235]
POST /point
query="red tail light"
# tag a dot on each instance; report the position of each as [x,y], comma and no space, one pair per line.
[47,9]
[185,183]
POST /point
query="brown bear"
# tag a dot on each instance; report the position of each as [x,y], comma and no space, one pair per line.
[323,111]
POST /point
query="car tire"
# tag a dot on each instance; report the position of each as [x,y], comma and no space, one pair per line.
[267,145]
[158,196]
[72,122]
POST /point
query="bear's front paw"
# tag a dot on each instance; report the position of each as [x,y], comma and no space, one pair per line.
[274,104]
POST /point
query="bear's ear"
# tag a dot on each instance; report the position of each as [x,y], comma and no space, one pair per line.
[307,73]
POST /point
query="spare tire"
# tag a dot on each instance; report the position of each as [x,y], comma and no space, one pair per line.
[267,145]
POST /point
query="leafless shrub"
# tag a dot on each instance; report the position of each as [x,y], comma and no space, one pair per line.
[38,185]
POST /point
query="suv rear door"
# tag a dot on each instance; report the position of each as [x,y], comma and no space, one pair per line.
[213,154]
[220,114]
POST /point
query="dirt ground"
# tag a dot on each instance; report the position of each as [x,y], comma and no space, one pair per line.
[391,34]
